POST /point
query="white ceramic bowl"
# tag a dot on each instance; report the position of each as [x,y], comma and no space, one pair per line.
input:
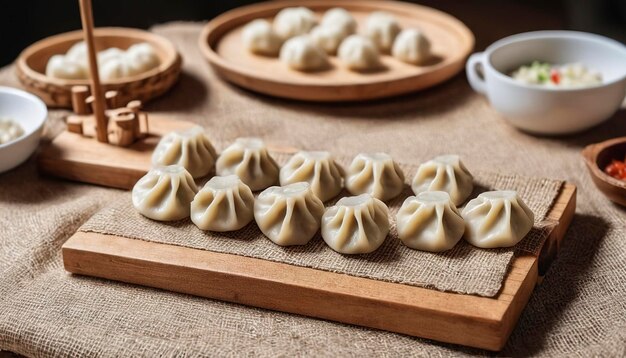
[30,112]
[549,110]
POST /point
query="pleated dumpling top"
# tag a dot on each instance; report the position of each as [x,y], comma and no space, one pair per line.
[356,224]
[430,222]
[288,215]
[497,219]
[444,173]
[164,193]
[249,159]
[375,174]
[190,148]
[223,204]
[319,169]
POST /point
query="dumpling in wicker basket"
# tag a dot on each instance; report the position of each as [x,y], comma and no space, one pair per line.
[249,159]
[288,215]
[223,204]
[164,193]
[375,174]
[430,222]
[319,169]
[444,173]
[339,18]
[356,224]
[497,219]
[190,148]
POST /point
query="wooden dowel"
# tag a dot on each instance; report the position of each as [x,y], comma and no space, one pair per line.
[96,89]
[79,97]
[111,99]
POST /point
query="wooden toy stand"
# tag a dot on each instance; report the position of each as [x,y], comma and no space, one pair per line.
[106,142]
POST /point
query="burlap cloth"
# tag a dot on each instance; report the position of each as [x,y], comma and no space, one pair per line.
[579,309]
[463,269]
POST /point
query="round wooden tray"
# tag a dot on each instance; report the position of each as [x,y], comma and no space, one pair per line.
[55,92]
[221,44]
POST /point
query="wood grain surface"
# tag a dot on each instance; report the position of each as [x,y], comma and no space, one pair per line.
[448,317]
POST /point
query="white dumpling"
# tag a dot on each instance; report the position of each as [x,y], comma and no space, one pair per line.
[190,148]
[356,224]
[375,174]
[141,57]
[301,53]
[328,38]
[319,169]
[382,28]
[497,219]
[164,193]
[60,67]
[78,53]
[411,46]
[430,222]
[359,53]
[249,159]
[223,204]
[259,37]
[288,215]
[339,18]
[444,173]
[294,21]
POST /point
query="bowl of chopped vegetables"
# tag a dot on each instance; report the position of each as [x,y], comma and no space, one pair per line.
[551,82]
[22,116]
[606,162]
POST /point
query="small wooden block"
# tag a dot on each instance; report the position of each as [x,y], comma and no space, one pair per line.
[75,124]
[78,157]
[448,317]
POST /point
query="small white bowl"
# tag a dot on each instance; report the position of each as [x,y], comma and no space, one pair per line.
[551,110]
[30,113]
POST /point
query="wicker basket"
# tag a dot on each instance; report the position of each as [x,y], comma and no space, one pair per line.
[56,92]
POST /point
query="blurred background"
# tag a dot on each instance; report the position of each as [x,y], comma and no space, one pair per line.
[23,22]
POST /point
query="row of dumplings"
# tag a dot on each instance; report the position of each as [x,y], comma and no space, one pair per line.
[293,213]
[305,45]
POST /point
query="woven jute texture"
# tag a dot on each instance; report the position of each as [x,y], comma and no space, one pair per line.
[463,269]
[578,310]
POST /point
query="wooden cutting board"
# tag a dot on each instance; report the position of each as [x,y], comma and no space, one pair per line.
[221,44]
[448,317]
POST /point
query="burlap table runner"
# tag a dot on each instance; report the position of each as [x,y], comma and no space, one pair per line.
[463,269]
[578,310]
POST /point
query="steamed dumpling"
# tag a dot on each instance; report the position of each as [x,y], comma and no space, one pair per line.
[411,46]
[60,67]
[339,18]
[382,28]
[319,169]
[249,159]
[301,53]
[356,224]
[259,37]
[445,173]
[223,204]
[359,53]
[190,148]
[375,174]
[288,215]
[497,219]
[294,21]
[164,193]
[141,57]
[328,38]
[430,222]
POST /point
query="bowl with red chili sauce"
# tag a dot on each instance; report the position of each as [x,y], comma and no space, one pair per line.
[606,162]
